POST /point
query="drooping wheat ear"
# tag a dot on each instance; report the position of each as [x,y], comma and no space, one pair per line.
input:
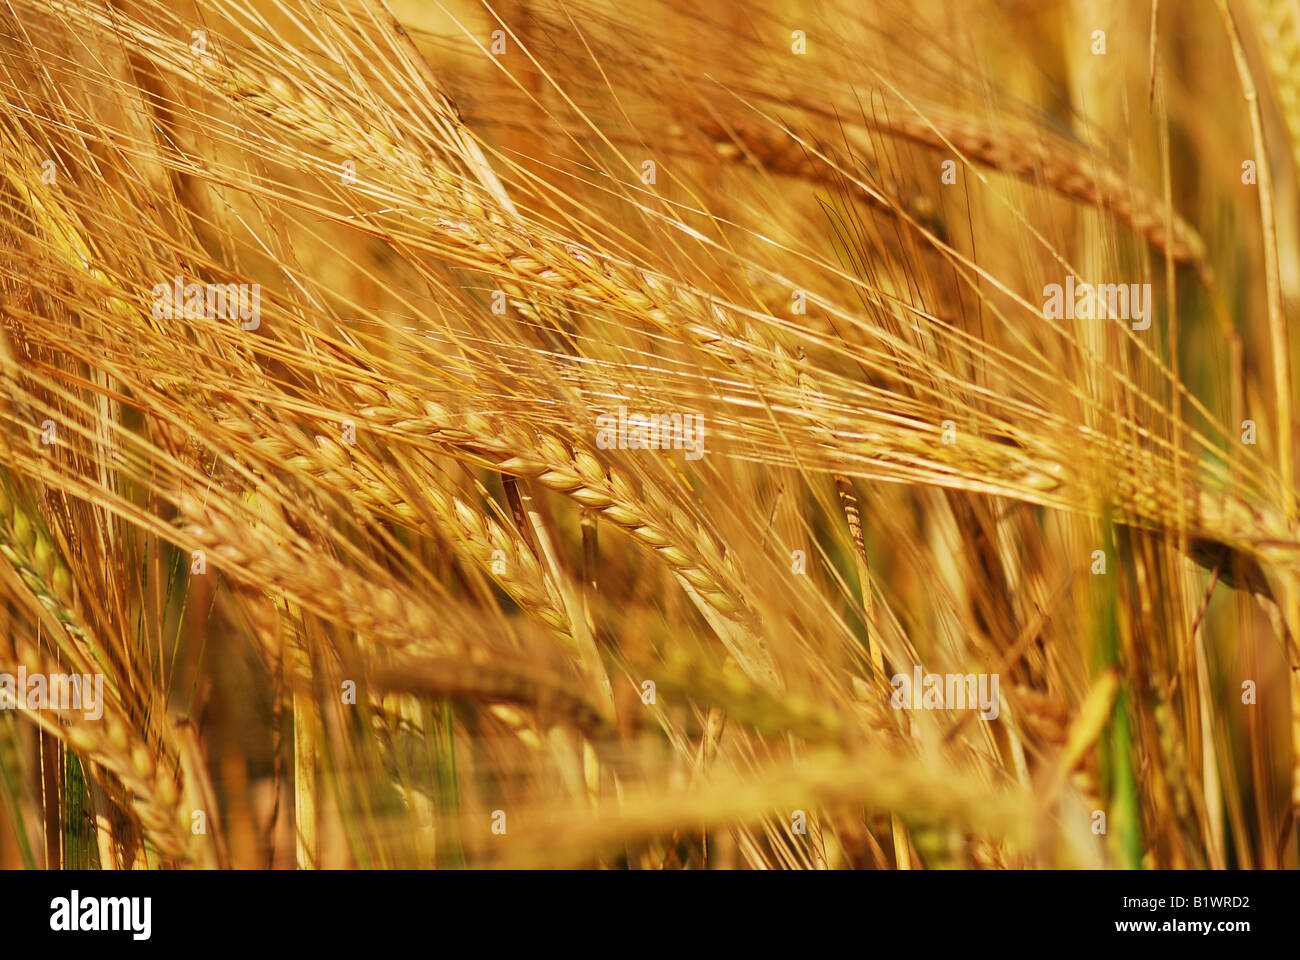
[548,695]
[774,149]
[498,550]
[577,473]
[1043,159]
[256,556]
[1029,153]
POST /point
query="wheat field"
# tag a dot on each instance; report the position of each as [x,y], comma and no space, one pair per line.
[761,434]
